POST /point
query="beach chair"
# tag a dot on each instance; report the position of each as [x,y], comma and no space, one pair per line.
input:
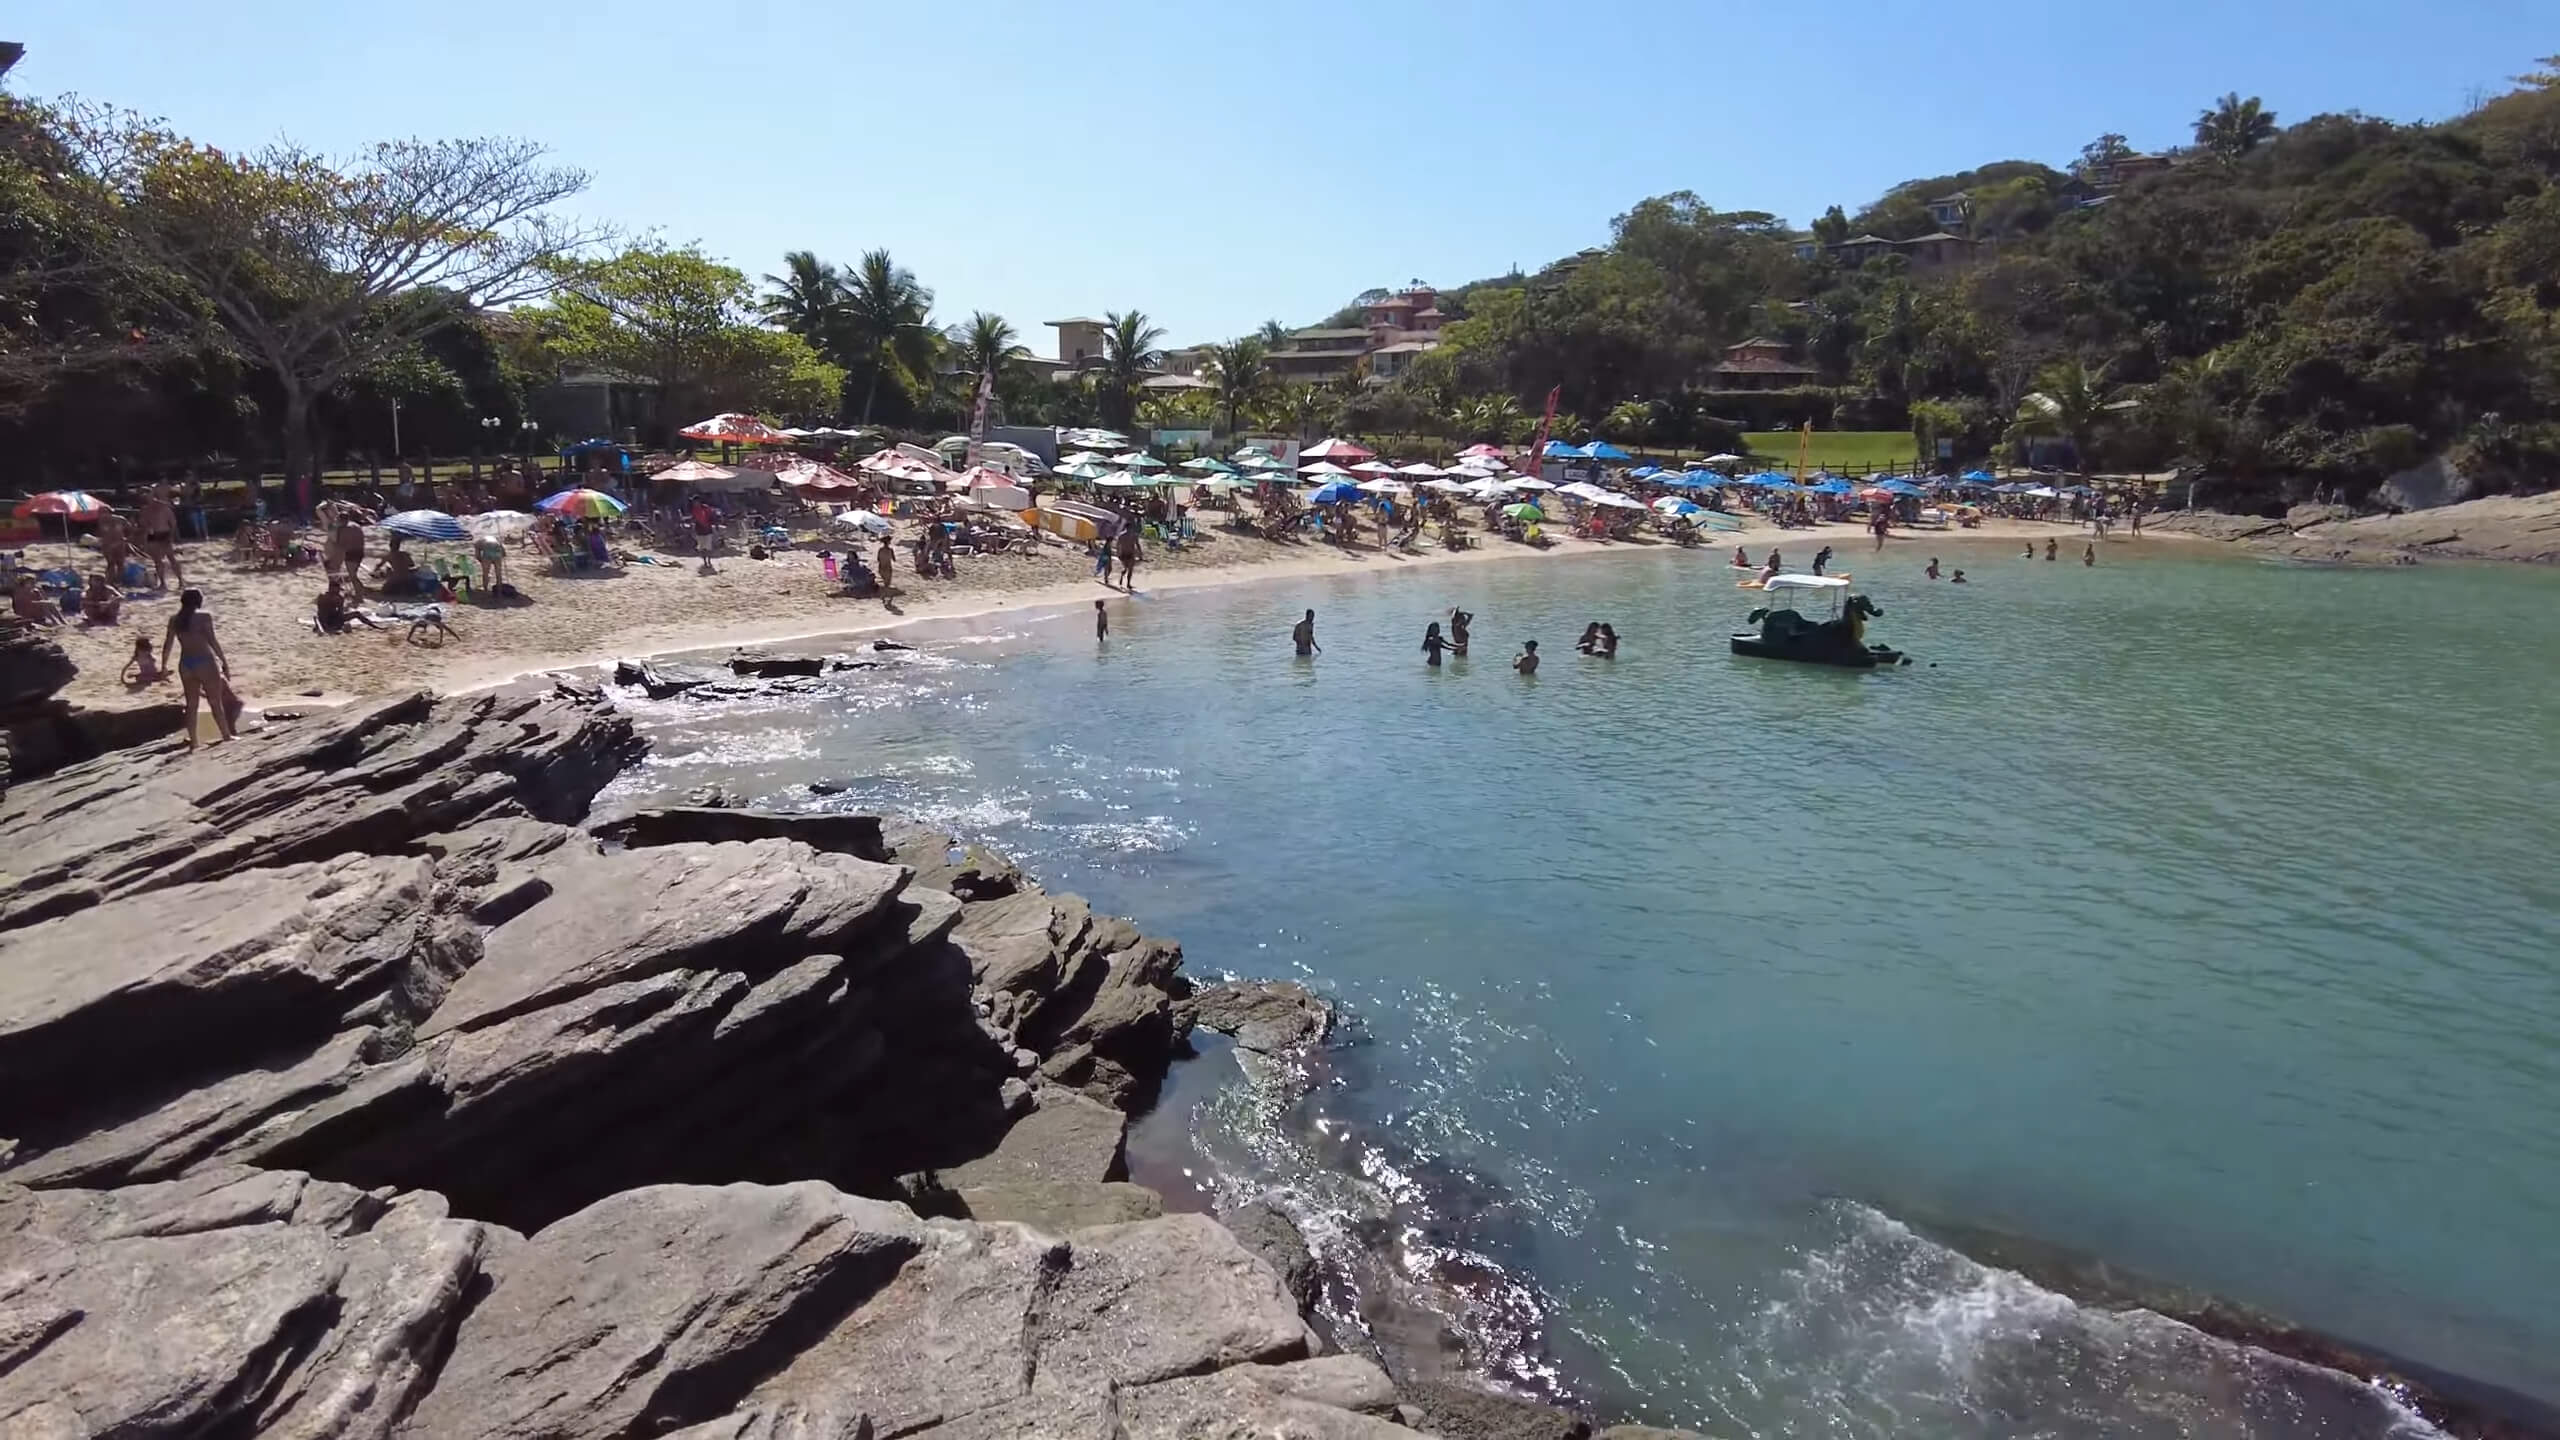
[456,575]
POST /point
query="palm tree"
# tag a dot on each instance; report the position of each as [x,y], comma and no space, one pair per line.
[1273,334]
[1128,353]
[885,322]
[1493,418]
[1237,370]
[2234,127]
[985,346]
[808,300]
[1631,419]
[2068,402]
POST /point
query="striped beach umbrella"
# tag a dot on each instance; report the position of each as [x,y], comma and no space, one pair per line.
[425,525]
[69,504]
[585,504]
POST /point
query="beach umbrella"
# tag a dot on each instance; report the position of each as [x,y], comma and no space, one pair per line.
[1336,450]
[1385,487]
[1446,486]
[1603,450]
[1616,501]
[1224,482]
[1558,450]
[735,429]
[1581,490]
[1674,505]
[2042,492]
[1322,467]
[1524,511]
[496,524]
[864,520]
[1120,480]
[69,504]
[1900,486]
[1262,462]
[1482,451]
[1722,460]
[1644,472]
[584,503]
[1421,470]
[1085,469]
[1982,477]
[1209,465]
[1830,485]
[1373,467]
[1334,492]
[695,472]
[425,525]
[1138,460]
[1526,482]
[810,475]
[1084,457]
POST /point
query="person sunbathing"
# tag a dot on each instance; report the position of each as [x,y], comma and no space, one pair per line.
[27,601]
[399,570]
[333,614]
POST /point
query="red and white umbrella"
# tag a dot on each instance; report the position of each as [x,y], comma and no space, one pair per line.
[1336,450]
[1490,452]
[69,504]
[736,429]
[813,476]
[895,464]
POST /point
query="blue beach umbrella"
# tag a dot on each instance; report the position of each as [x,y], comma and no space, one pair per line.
[1900,486]
[1830,485]
[1979,477]
[1603,450]
[1558,450]
[1644,472]
[1334,492]
[425,525]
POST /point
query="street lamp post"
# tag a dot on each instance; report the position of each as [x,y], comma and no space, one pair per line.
[395,429]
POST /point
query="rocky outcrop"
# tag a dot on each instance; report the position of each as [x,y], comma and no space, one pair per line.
[1269,1017]
[235,1302]
[372,780]
[32,664]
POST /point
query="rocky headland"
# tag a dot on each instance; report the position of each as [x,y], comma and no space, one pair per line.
[352,1083]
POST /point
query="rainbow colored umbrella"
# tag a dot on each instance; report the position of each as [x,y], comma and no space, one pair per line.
[585,504]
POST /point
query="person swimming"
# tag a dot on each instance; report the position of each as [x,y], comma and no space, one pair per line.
[1958,579]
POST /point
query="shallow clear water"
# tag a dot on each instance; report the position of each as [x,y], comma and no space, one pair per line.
[2191,912]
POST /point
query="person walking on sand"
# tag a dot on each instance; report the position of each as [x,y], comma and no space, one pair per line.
[1882,525]
[1127,545]
[2133,515]
[1303,636]
[1101,623]
[1526,662]
[888,562]
[204,672]
[1432,645]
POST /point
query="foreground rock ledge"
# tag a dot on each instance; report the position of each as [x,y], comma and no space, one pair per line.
[347,1090]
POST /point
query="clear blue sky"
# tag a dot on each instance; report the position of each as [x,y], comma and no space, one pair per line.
[1219,162]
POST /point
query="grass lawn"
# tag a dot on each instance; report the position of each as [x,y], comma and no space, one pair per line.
[1865,450]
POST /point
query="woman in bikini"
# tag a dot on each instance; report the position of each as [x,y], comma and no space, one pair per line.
[204,672]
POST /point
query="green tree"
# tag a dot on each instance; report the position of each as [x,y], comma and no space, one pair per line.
[1129,351]
[987,345]
[685,323]
[1630,420]
[1832,228]
[1273,335]
[807,299]
[2099,157]
[1238,371]
[887,325]
[2068,403]
[299,259]
[2232,127]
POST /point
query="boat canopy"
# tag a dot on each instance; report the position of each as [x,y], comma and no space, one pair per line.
[1804,582]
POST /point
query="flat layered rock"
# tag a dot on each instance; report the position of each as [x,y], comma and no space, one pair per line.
[103,1012]
[230,1303]
[633,914]
[370,780]
[1066,1137]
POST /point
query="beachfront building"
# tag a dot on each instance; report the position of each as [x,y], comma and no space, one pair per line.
[1394,328]
[1079,341]
[1759,364]
[1935,251]
[1319,354]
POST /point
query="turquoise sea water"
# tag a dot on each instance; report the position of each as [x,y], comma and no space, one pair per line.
[2191,912]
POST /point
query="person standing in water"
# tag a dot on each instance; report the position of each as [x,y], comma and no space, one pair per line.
[1590,641]
[1608,641]
[204,672]
[1459,620]
[1432,645]
[2089,556]
[1932,571]
[1821,558]
[2048,547]
[1526,662]
[1101,622]
[1303,636]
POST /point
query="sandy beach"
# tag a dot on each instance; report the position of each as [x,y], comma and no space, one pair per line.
[571,621]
